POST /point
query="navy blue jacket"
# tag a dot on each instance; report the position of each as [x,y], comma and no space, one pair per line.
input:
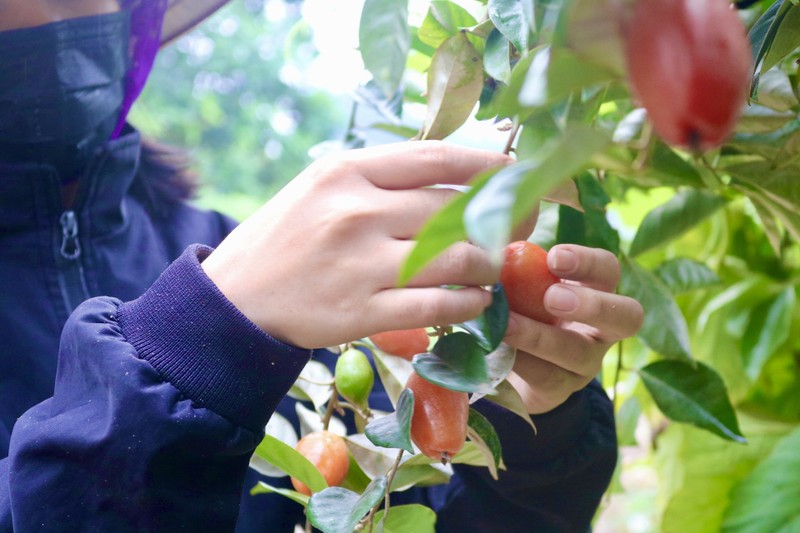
[132,393]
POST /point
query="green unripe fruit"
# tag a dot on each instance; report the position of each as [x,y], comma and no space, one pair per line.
[354,376]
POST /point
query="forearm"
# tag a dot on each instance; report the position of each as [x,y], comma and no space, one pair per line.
[158,406]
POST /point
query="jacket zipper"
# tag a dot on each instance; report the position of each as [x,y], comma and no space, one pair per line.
[71,278]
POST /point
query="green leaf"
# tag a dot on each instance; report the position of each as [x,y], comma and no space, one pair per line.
[592,32]
[290,461]
[762,34]
[490,327]
[786,39]
[769,499]
[283,430]
[683,274]
[482,433]
[393,430]
[506,396]
[664,329]
[515,19]
[308,388]
[266,488]
[671,168]
[685,210]
[411,518]
[440,231]
[338,510]
[457,362]
[768,328]
[384,39]
[495,57]
[514,191]
[443,20]
[393,372]
[694,394]
[455,82]
[556,73]
[598,233]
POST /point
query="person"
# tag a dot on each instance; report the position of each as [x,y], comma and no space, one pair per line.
[146,343]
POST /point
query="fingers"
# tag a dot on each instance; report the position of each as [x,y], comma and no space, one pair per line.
[615,317]
[461,264]
[409,165]
[421,307]
[593,267]
[410,209]
[567,349]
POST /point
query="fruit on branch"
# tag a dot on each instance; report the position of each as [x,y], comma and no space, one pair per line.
[439,421]
[405,343]
[689,64]
[354,377]
[328,452]
[525,278]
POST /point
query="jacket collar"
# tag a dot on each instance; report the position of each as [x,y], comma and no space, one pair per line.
[30,193]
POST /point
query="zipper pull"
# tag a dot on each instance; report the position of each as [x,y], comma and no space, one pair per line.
[70,246]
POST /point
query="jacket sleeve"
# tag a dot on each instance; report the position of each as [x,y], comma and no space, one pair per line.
[158,405]
[554,479]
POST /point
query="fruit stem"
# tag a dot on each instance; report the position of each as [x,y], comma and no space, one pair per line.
[389,479]
[616,375]
[333,403]
[512,136]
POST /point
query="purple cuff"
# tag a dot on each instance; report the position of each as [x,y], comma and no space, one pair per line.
[199,342]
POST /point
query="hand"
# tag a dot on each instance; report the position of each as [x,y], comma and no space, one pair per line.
[317,265]
[555,361]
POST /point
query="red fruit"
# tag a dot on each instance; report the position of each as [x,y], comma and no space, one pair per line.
[525,278]
[439,421]
[405,343]
[328,452]
[689,64]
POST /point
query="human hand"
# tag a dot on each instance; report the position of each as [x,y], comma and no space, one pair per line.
[317,265]
[555,361]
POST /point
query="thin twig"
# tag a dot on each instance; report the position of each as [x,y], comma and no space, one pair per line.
[333,403]
[616,374]
[389,480]
[511,137]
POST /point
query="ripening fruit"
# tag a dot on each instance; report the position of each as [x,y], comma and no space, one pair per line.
[328,452]
[439,421]
[689,63]
[405,343]
[525,278]
[354,376]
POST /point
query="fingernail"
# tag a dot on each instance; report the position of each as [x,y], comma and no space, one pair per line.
[562,260]
[561,298]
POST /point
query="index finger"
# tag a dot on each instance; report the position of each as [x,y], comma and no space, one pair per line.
[409,165]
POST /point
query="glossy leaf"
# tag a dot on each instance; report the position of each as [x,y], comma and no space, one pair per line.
[443,20]
[393,372]
[592,32]
[338,510]
[664,329]
[768,328]
[373,460]
[769,499]
[440,231]
[683,274]
[671,168]
[384,39]
[290,461]
[514,19]
[457,362]
[482,433]
[394,430]
[598,233]
[490,327]
[506,396]
[692,393]
[266,488]
[308,388]
[280,428]
[495,57]
[455,82]
[554,74]
[786,38]
[685,210]
[411,518]
[514,191]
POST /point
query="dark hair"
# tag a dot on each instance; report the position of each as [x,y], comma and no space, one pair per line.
[164,177]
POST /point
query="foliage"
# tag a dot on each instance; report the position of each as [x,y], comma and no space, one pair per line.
[708,243]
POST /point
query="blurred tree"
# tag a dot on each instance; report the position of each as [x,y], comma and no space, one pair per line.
[231,91]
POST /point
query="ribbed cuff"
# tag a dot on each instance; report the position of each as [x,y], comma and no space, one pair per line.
[198,341]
